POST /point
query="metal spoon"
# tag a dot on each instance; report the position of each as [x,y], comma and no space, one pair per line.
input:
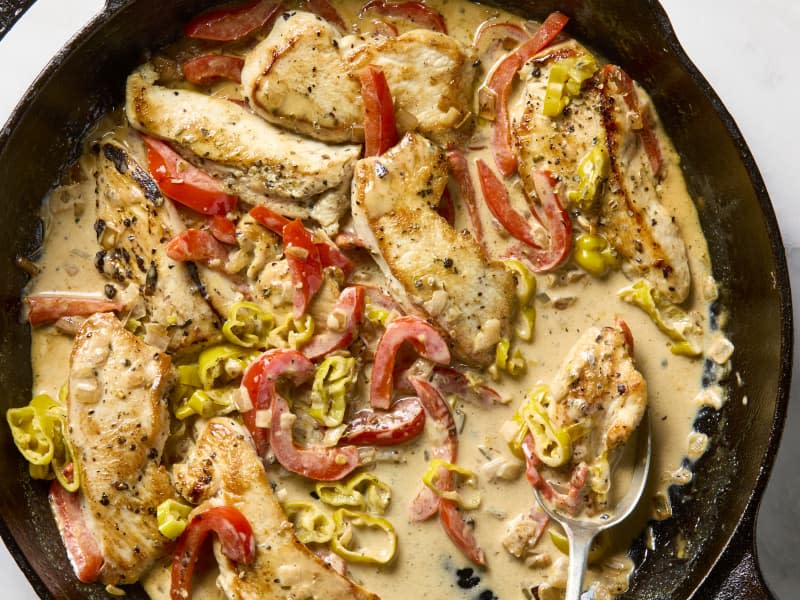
[582,531]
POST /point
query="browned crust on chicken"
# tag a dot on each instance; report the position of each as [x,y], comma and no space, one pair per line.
[118,422]
[224,468]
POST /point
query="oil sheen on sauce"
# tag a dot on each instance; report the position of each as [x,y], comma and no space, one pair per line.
[427,564]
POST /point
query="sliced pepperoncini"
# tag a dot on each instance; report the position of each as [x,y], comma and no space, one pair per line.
[311,525]
[669,318]
[65,464]
[526,290]
[594,254]
[512,363]
[292,333]
[346,525]
[207,404]
[597,550]
[32,436]
[376,314]
[333,380]
[248,325]
[364,491]
[220,364]
[564,82]
[468,477]
[172,517]
[552,445]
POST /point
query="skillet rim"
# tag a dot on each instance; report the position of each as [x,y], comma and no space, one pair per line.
[742,534]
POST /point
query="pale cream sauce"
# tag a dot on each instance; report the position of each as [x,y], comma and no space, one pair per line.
[426,561]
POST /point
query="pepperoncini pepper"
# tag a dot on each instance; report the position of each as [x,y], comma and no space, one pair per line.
[591,171]
[333,380]
[552,444]
[594,254]
[310,523]
[564,82]
[346,522]
[172,517]
[526,289]
[434,473]
[364,491]
[248,325]
[292,333]
[222,363]
[512,363]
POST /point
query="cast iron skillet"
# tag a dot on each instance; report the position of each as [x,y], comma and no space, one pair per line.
[715,513]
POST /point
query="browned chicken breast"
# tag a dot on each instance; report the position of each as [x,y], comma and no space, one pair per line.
[304,76]
[599,387]
[118,422]
[429,264]
[224,469]
[628,210]
[134,223]
[262,164]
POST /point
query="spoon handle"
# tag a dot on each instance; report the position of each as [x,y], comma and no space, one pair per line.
[580,541]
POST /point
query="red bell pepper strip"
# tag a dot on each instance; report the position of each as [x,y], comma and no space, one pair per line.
[184,183]
[556,219]
[223,229]
[46,309]
[612,74]
[500,83]
[304,264]
[351,304]
[495,31]
[235,535]
[417,12]
[82,548]
[197,245]
[207,68]
[426,340]
[331,256]
[380,127]
[460,170]
[626,331]
[402,423]
[446,208]
[325,9]
[269,219]
[569,501]
[229,24]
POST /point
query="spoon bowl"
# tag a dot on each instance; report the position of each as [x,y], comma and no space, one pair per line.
[581,531]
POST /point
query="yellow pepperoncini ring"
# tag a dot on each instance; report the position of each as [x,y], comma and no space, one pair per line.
[512,363]
[526,289]
[189,375]
[32,436]
[594,254]
[375,314]
[311,525]
[591,171]
[552,445]
[597,550]
[467,477]
[292,333]
[669,318]
[210,403]
[248,325]
[600,476]
[363,491]
[564,82]
[172,517]
[347,522]
[220,364]
[333,380]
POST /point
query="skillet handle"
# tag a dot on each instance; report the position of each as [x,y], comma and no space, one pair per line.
[738,573]
[10,12]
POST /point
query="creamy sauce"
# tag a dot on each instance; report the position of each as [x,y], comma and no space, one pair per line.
[426,562]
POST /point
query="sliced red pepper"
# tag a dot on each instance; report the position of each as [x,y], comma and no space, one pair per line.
[446,208]
[624,84]
[380,127]
[402,423]
[450,381]
[569,501]
[235,535]
[460,170]
[325,9]
[491,31]
[556,219]
[269,219]
[46,309]
[197,245]
[207,68]
[82,548]
[426,340]
[184,183]
[223,229]
[304,264]
[417,12]
[346,240]
[626,331]
[229,24]
[500,83]
[331,256]
[351,303]
[459,532]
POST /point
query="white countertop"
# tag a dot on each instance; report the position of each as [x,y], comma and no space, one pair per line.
[744,48]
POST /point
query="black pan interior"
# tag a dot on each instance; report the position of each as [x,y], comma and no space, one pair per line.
[87,79]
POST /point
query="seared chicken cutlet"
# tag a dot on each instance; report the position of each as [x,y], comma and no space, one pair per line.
[598,124]
[599,386]
[118,422]
[305,77]
[432,266]
[224,469]
[257,161]
[134,223]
